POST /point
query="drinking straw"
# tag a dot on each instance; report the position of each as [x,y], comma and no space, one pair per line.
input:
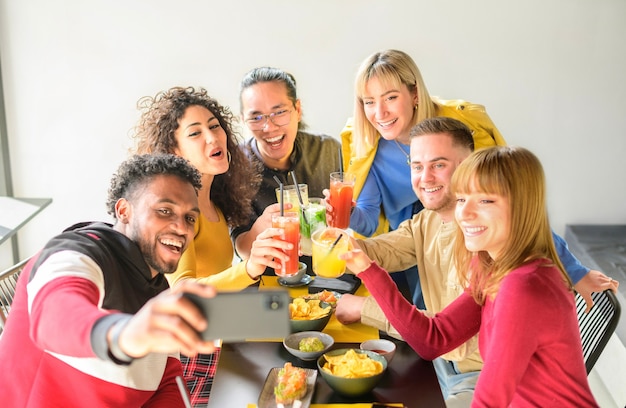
[340,163]
[295,181]
[282,196]
[334,244]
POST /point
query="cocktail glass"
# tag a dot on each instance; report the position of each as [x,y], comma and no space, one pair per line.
[313,217]
[290,223]
[341,191]
[328,244]
[290,195]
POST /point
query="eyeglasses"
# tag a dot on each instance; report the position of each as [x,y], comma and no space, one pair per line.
[280,118]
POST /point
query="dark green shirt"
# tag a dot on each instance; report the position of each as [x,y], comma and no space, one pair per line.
[313,158]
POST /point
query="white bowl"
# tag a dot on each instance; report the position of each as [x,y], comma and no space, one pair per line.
[383,347]
[292,341]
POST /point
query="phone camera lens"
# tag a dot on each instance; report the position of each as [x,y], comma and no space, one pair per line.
[274,303]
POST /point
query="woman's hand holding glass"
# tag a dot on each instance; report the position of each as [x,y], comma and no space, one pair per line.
[245,241]
[267,251]
[265,220]
[329,207]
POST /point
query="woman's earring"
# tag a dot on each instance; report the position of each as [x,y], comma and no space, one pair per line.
[228,155]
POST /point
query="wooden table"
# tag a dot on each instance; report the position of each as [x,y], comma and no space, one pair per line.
[243,368]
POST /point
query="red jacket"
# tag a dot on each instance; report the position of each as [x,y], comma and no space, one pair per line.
[53,349]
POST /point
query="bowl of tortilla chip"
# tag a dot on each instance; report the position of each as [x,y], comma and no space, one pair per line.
[352,372]
[308,315]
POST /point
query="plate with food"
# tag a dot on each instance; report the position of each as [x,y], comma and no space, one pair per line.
[327,296]
[288,387]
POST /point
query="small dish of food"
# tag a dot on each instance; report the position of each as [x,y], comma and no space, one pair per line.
[327,296]
[308,345]
[288,386]
[308,315]
[385,348]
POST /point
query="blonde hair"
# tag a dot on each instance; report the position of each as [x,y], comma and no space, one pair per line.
[393,69]
[515,173]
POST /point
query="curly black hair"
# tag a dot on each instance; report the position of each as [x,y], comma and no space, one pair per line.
[138,170]
[233,191]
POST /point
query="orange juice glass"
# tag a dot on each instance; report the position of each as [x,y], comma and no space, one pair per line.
[341,191]
[328,244]
[290,223]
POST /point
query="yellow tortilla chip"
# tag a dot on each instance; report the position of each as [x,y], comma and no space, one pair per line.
[352,365]
[301,309]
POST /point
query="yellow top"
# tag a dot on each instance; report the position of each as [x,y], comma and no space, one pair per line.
[209,258]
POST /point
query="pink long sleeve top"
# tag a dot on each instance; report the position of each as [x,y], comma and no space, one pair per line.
[528,336]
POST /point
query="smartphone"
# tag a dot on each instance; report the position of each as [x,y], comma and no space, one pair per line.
[237,316]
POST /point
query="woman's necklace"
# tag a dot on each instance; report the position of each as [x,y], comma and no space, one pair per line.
[408,157]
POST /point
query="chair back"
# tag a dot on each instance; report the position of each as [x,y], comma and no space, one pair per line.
[8,283]
[597,326]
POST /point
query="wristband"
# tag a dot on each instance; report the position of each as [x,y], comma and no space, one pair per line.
[116,353]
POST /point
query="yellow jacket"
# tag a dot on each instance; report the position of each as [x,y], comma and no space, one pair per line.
[474,116]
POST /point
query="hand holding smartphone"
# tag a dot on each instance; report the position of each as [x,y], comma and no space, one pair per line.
[238,316]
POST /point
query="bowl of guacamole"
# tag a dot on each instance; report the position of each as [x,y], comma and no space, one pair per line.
[308,345]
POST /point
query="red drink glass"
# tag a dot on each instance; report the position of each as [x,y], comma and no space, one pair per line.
[341,191]
[290,223]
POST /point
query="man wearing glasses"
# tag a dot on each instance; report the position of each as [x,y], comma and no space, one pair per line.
[272,113]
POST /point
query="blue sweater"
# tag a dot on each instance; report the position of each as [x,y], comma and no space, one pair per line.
[388,184]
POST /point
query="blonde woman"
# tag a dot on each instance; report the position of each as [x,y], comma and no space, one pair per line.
[390,98]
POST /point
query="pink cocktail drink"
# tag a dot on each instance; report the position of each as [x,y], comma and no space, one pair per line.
[341,191]
[290,223]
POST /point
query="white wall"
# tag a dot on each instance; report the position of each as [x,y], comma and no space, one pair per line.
[551,74]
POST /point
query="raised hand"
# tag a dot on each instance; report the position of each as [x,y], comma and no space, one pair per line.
[329,207]
[244,242]
[267,251]
[356,260]
[168,323]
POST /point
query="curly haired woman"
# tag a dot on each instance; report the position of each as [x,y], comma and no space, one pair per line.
[191,124]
